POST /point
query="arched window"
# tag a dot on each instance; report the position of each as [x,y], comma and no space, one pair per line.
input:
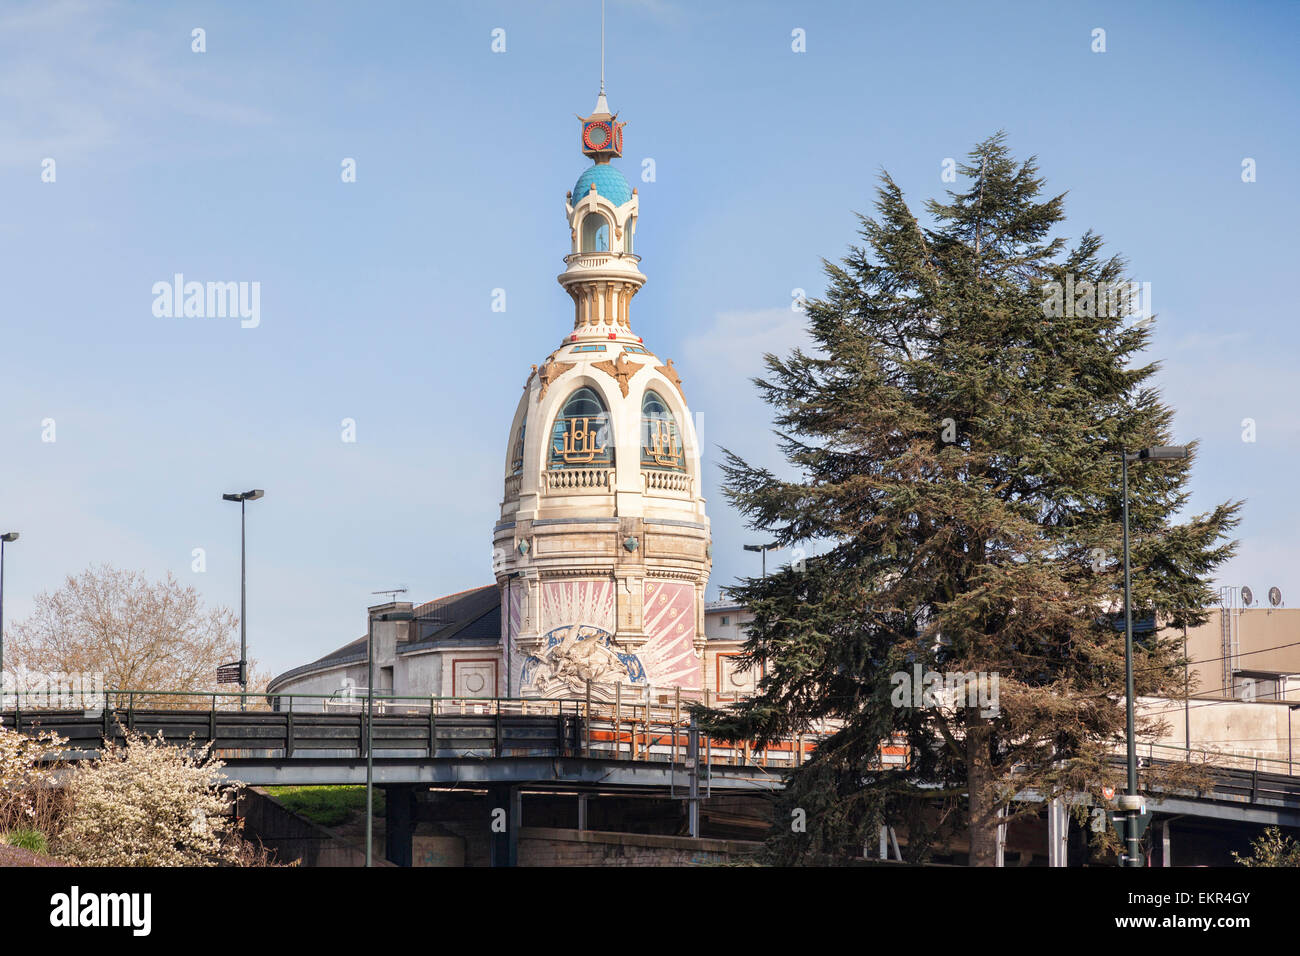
[661,440]
[595,233]
[582,436]
[517,457]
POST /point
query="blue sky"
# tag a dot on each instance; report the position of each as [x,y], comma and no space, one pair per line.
[376,295]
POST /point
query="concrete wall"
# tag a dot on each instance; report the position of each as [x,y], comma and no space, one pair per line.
[732,630]
[721,677]
[1262,636]
[544,846]
[419,675]
[1234,727]
[295,838]
[327,682]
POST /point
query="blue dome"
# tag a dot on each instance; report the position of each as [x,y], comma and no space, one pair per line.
[609,183]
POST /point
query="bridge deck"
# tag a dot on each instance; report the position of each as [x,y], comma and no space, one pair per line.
[438,748]
[479,743]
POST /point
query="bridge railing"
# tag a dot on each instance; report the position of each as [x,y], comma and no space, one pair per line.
[1218,756]
[636,724]
[646,726]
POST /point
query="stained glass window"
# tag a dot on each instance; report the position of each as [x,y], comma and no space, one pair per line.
[517,459]
[582,436]
[661,441]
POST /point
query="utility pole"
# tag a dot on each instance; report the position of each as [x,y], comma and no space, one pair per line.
[1130,803]
[5,538]
[693,769]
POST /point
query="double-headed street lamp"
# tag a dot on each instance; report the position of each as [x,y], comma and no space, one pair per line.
[5,538]
[763,549]
[1131,804]
[243,497]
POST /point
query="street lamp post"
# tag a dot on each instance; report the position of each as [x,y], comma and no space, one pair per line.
[243,497]
[5,538]
[1132,805]
[370,721]
[763,549]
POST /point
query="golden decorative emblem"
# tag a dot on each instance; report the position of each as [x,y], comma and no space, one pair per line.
[579,446]
[664,449]
[620,370]
[670,373]
[550,371]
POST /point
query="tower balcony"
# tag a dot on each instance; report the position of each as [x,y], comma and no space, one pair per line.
[667,484]
[600,264]
[578,481]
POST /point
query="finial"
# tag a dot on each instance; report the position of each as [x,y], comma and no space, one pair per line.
[602,48]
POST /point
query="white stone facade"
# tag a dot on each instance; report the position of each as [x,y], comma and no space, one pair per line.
[603,547]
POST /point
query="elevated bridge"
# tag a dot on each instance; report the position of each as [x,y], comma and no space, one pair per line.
[310,740]
[503,745]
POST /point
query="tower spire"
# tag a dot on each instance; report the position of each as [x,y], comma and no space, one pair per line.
[602,47]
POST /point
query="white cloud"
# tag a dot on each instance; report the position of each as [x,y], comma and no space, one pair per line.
[74,83]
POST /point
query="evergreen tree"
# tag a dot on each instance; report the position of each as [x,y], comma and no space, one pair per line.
[957,430]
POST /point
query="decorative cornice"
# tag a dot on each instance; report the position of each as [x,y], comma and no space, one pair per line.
[606,573]
[543,522]
[678,523]
[693,576]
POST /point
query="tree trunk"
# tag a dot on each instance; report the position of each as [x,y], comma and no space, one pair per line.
[980,786]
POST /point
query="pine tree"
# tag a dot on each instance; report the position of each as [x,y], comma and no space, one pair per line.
[956,431]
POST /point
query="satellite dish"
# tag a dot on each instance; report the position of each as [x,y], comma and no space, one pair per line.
[1247,596]
[1275,596]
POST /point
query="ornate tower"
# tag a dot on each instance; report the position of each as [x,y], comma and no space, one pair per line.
[602,552]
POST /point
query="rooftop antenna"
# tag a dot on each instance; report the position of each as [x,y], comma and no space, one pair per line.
[391,592]
[602,47]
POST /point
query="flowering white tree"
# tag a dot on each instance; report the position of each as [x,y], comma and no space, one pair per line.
[28,798]
[147,803]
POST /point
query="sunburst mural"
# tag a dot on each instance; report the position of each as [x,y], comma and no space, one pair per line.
[669,654]
[578,622]
[579,602]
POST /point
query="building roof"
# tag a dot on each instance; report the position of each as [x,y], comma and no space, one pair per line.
[610,183]
[717,607]
[465,618]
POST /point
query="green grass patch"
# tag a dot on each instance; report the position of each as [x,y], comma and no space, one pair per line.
[33,840]
[327,806]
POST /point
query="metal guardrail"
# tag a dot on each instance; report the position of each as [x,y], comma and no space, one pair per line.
[1221,758]
[431,728]
[334,725]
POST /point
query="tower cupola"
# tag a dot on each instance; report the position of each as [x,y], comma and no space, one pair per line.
[602,271]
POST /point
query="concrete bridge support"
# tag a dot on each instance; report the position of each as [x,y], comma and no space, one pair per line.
[505,815]
[1058,833]
[399,828]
